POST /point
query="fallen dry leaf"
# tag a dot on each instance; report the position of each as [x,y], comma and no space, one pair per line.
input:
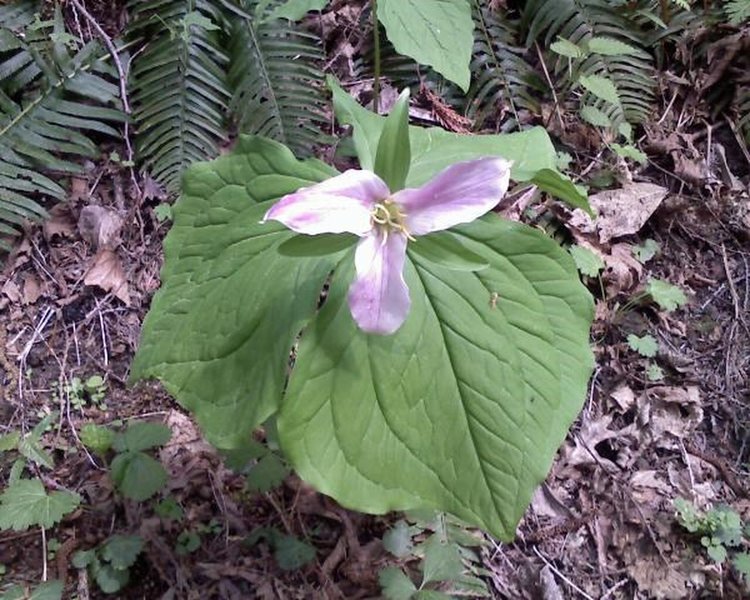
[100,226]
[624,397]
[620,212]
[622,271]
[32,288]
[107,273]
[669,413]
[60,223]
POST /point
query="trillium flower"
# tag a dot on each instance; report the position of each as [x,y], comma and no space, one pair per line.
[359,202]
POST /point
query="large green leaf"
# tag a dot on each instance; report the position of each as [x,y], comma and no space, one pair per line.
[433,149]
[25,504]
[220,329]
[438,33]
[464,407]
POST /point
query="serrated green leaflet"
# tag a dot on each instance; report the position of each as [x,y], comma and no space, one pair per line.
[463,408]
[601,87]
[218,334]
[25,503]
[437,33]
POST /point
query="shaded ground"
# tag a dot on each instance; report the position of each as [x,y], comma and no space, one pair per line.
[602,526]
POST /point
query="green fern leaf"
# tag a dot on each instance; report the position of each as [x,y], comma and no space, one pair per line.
[502,79]
[278,87]
[597,25]
[180,94]
[738,11]
[52,99]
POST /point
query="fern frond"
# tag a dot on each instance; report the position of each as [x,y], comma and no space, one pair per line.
[579,21]
[743,107]
[51,99]
[277,84]
[738,11]
[180,95]
[502,80]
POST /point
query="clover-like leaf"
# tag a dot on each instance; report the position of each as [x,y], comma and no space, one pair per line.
[137,475]
[267,474]
[586,260]
[26,504]
[646,345]
[395,584]
[121,551]
[669,297]
[141,435]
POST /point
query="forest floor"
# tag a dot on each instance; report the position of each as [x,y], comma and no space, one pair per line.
[604,524]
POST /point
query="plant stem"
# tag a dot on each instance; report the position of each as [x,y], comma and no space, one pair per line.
[376,40]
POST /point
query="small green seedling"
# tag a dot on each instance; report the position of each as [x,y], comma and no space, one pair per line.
[169,510]
[49,590]
[669,297]
[645,251]
[289,552]
[136,474]
[646,345]
[444,547]
[163,212]
[654,372]
[82,392]
[588,263]
[97,438]
[109,564]
[720,529]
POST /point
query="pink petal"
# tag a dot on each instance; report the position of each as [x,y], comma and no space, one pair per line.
[459,194]
[379,298]
[337,205]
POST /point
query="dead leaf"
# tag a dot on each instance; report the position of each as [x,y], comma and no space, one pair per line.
[620,212]
[100,226]
[622,270]
[624,396]
[592,432]
[107,273]
[32,288]
[11,291]
[79,189]
[669,413]
[60,223]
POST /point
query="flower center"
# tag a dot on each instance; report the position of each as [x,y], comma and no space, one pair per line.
[387,216]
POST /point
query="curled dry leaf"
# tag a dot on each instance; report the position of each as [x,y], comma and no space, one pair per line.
[107,273]
[100,227]
[60,223]
[669,413]
[620,212]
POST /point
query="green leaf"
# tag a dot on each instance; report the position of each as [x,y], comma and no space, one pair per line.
[631,152]
[294,10]
[586,260]
[137,475]
[741,562]
[169,509]
[434,149]
[9,441]
[109,579]
[213,302]
[567,48]
[301,245]
[397,540]
[31,449]
[269,473]
[611,47]
[654,372]
[443,249]
[596,117]
[83,558]
[121,551]
[601,87]
[26,504]
[49,590]
[645,251]
[395,584]
[669,297]
[393,156]
[97,438]
[717,553]
[646,346]
[437,33]
[556,184]
[291,553]
[444,430]
[141,435]
[442,561]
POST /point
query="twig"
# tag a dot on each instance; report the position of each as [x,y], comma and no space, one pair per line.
[44,555]
[730,281]
[551,86]
[614,588]
[123,82]
[561,576]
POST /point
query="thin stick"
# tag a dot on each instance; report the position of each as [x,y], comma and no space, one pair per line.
[561,576]
[123,81]
[376,41]
[551,86]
